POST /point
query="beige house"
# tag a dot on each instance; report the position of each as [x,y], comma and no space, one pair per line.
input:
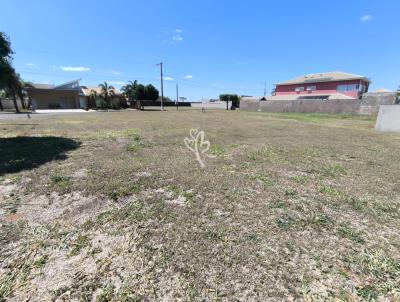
[66,96]
[86,93]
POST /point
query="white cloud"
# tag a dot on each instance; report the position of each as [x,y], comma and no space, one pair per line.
[174,36]
[30,64]
[168,78]
[177,38]
[174,31]
[117,82]
[74,69]
[188,76]
[115,72]
[366,18]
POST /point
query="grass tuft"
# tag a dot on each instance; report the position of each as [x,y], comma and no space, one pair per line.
[217,149]
[62,182]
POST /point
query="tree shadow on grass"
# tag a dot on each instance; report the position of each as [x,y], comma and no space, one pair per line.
[25,152]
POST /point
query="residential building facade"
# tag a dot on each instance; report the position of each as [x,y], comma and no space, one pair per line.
[66,96]
[324,86]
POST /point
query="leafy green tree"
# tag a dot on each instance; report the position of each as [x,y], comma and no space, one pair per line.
[134,92]
[5,46]
[166,99]
[129,90]
[107,92]
[234,98]
[6,69]
[138,92]
[10,81]
[151,93]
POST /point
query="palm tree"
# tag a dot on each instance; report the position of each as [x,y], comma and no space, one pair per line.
[130,92]
[127,91]
[92,98]
[107,92]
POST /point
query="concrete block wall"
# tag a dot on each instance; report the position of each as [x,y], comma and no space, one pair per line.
[388,118]
[368,105]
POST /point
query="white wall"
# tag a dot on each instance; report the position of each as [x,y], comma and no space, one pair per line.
[388,118]
[9,104]
[82,101]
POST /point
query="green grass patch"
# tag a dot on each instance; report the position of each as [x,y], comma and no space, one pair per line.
[189,195]
[116,191]
[299,179]
[81,242]
[106,295]
[263,179]
[136,144]
[329,191]
[217,149]
[5,288]
[318,220]
[333,171]
[347,232]
[62,182]
[381,274]
[290,192]
[135,212]
[40,262]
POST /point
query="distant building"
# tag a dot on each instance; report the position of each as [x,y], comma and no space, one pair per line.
[65,96]
[325,85]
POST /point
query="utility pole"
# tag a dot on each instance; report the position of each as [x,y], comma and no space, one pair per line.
[162,86]
[177,97]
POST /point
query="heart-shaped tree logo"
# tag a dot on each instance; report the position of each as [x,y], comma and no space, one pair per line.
[196,143]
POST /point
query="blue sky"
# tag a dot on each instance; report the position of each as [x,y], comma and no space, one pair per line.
[208,47]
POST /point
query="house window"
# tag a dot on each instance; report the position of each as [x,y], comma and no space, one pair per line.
[349,87]
[311,88]
[298,89]
[352,87]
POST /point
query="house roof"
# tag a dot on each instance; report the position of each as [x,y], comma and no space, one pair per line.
[42,86]
[88,89]
[324,77]
[76,82]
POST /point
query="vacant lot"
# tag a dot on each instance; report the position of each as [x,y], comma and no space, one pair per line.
[114,207]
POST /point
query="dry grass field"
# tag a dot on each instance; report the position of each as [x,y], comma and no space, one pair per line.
[114,207]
